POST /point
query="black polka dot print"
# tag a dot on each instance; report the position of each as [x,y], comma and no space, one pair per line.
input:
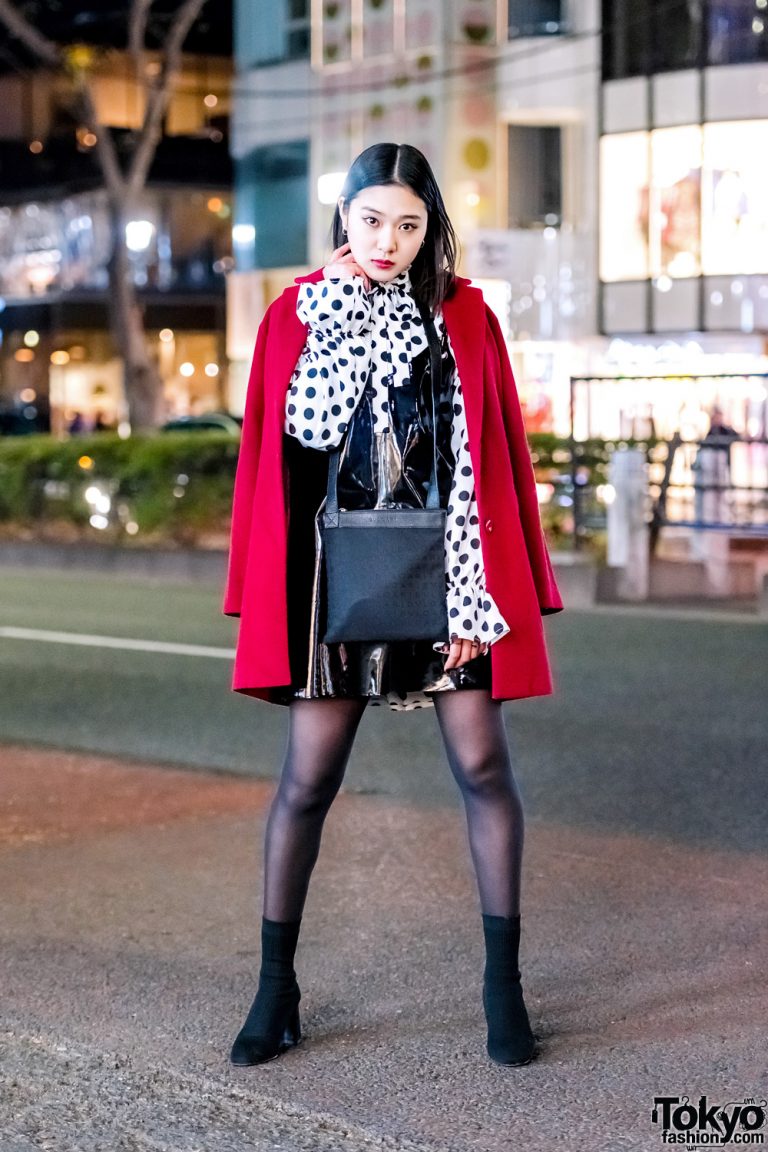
[353,335]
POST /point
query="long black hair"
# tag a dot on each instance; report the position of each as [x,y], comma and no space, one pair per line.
[434,267]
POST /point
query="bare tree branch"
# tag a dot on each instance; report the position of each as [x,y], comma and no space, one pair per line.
[160,94]
[105,145]
[18,25]
[137,31]
[50,53]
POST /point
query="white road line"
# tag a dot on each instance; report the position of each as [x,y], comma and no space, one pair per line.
[121,643]
[677,612]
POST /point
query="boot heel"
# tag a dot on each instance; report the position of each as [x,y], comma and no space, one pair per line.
[292,1033]
[510,1038]
[268,1031]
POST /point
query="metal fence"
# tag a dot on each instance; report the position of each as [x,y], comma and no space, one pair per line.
[717,482]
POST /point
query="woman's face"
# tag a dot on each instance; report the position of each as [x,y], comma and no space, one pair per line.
[386,225]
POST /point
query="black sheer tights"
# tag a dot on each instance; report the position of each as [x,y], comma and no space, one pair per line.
[320,740]
[475,742]
[319,743]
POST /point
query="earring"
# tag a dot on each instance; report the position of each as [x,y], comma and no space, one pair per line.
[343,231]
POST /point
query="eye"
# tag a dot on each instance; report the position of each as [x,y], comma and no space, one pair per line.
[410,227]
[370,220]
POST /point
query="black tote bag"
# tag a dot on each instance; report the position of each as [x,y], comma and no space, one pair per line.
[385,567]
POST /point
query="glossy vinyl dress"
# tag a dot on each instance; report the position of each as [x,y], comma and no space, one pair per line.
[391,468]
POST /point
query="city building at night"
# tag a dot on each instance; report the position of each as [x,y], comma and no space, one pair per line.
[683,226]
[55,229]
[605,165]
[503,100]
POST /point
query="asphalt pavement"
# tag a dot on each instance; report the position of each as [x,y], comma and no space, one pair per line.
[133,792]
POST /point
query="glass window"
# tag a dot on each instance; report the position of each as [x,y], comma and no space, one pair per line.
[535,18]
[677,37]
[624,196]
[297,29]
[650,204]
[336,32]
[645,36]
[378,30]
[627,38]
[273,194]
[737,31]
[535,176]
[734,201]
[674,216]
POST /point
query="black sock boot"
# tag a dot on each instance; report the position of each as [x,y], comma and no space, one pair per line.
[272,1025]
[510,1039]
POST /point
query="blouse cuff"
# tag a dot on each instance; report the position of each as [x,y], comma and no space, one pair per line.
[474,615]
[335,307]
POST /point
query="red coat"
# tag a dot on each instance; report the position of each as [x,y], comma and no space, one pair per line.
[517,568]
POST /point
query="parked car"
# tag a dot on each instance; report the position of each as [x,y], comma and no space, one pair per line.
[207,422]
[23,420]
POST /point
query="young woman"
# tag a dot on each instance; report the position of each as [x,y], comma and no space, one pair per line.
[343,359]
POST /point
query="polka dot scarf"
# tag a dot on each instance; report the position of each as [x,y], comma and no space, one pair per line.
[358,334]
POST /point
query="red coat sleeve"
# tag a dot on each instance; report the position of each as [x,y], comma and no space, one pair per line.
[525,484]
[245,477]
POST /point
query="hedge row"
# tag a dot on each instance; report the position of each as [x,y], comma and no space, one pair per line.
[176,487]
[172,488]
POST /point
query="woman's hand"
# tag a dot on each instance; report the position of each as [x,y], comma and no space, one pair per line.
[342,265]
[461,651]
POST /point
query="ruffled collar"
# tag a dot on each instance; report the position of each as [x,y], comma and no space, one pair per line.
[381,328]
[401,284]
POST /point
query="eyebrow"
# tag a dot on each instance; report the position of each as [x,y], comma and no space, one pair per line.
[407,216]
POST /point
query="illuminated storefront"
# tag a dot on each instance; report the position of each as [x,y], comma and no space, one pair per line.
[685,202]
[53,269]
[57,354]
[683,219]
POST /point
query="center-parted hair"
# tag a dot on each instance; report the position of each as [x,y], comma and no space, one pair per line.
[434,267]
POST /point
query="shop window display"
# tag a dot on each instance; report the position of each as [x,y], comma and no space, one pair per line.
[624,181]
[735,198]
[695,201]
[674,218]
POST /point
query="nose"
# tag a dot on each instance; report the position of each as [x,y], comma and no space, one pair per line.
[387,242]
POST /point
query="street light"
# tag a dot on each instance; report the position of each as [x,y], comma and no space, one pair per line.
[139,235]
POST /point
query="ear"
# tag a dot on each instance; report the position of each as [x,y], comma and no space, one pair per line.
[343,210]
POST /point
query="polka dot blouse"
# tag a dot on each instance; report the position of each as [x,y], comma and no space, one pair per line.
[354,336]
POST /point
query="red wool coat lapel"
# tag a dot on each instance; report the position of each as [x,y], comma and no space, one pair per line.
[518,572]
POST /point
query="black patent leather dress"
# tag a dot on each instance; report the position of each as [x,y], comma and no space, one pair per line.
[377,468]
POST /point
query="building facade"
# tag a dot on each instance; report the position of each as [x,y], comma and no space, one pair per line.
[502,97]
[56,352]
[605,167]
[684,203]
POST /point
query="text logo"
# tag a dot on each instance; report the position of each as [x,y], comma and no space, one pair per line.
[705,1125]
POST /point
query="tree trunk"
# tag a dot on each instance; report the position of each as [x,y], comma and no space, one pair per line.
[142,385]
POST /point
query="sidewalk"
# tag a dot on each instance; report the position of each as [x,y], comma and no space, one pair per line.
[129,921]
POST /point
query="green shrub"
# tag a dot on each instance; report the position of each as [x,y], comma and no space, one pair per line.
[170,488]
[176,487]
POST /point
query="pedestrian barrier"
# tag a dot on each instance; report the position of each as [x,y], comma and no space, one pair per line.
[716,484]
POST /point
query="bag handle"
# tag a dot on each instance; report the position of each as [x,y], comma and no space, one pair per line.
[435,363]
[435,367]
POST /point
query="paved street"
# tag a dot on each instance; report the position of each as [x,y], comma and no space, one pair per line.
[131,883]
